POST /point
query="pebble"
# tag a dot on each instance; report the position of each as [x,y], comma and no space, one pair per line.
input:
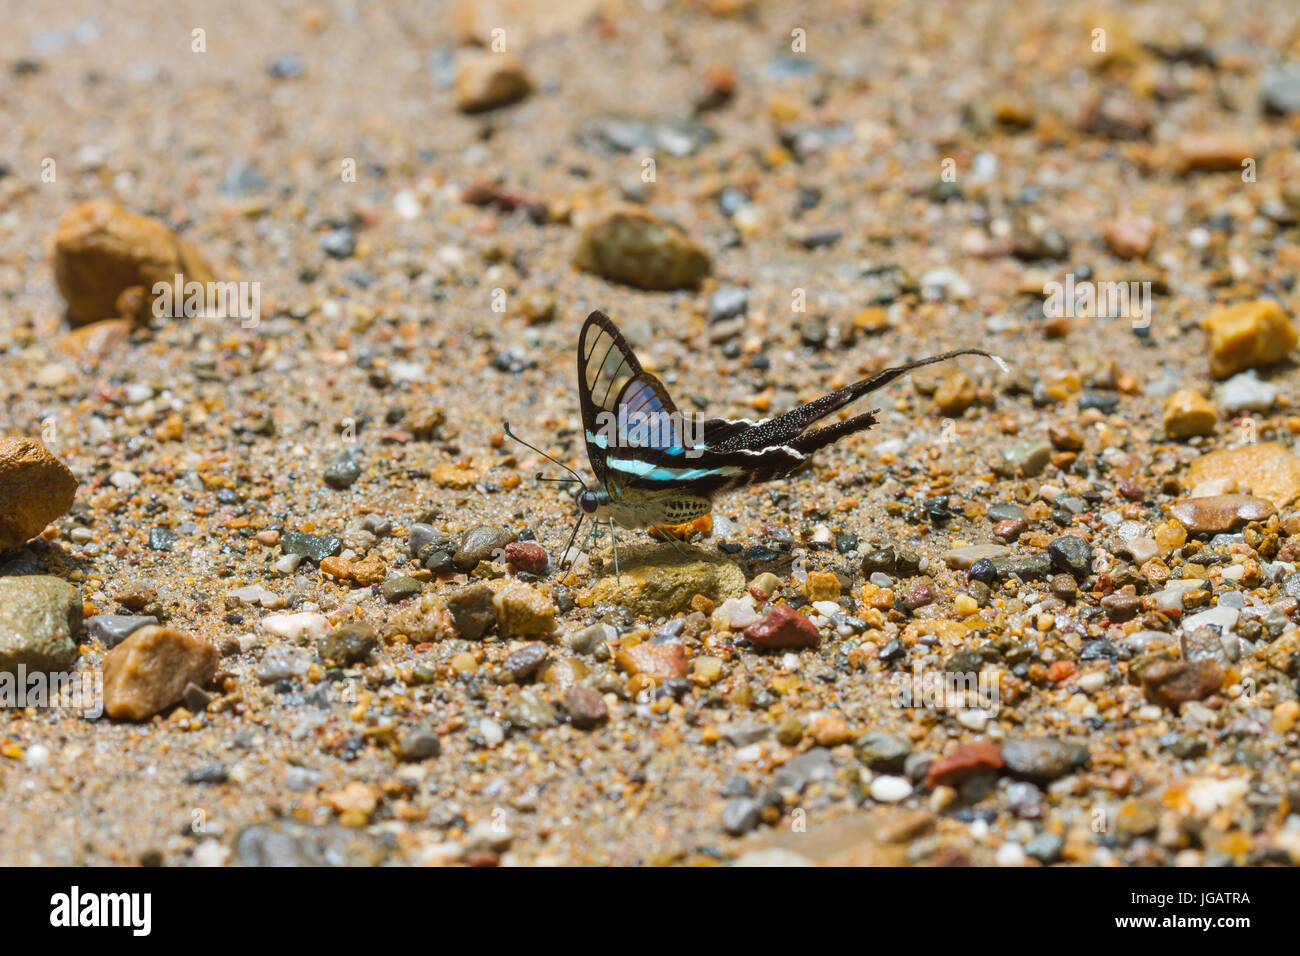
[964,763]
[585,707]
[1246,392]
[112,629]
[422,743]
[490,80]
[1187,414]
[349,643]
[883,752]
[727,302]
[400,587]
[1023,459]
[289,843]
[480,543]
[528,709]
[1219,513]
[282,662]
[1171,683]
[40,621]
[1042,758]
[313,547]
[965,558]
[527,556]
[1071,554]
[150,670]
[659,662]
[734,614]
[1279,89]
[523,663]
[1267,470]
[1248,335]
[524,611]
[1128,236]
[1029,567]
[35,488]
[783,628]
[473,611]
[667,587]
[309,625]
[741,815]
[633,246]
[887,789]
[343,473]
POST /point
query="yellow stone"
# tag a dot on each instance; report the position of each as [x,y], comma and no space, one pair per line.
[1248,335]
[1187,413]
[821,586]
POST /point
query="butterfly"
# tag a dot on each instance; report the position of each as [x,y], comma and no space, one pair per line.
[655,466]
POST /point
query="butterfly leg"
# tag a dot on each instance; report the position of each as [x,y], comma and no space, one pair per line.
[613,540]
[670,539]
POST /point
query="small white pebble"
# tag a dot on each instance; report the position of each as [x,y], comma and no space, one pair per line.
[36,755]
[972,719]
[887,789]
[1010,854]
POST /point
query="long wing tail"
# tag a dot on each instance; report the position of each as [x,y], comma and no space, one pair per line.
[785,429]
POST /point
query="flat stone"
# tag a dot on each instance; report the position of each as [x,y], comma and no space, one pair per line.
[967,761]
[1216,514]
[633,246]
[662,583]
[112,629]
[472,611]
[1171,683]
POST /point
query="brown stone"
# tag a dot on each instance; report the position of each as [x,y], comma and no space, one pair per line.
[633,246]
[955,395]
[783,628]
[1217,514]
[968,760]
[35,488]
[472,611]
[1214,151]
[100,250]
[659,662]
[585,707]
[1170,683]
[151,669]
[487,81]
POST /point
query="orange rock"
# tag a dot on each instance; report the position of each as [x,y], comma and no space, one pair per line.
[1209,152]
[491,80]
[1248,335]
[1187,413]
[149,670]
[35,488]
[100,250]
[659,662]
[1267,469]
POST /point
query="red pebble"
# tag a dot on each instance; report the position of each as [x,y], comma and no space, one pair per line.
[968,760]
[783,628]
[526,556]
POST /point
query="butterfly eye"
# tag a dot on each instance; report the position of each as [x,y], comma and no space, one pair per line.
[587,500]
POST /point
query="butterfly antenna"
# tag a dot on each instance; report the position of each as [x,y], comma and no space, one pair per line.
[555,461]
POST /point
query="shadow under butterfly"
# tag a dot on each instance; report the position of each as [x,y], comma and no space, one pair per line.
[655,466]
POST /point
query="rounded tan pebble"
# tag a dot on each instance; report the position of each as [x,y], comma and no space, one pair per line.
[491,80]
[1187,413]
[638,248]
[35,488]
[955,395]
[1217,514]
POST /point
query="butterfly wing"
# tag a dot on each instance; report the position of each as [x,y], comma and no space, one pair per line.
[611,378]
